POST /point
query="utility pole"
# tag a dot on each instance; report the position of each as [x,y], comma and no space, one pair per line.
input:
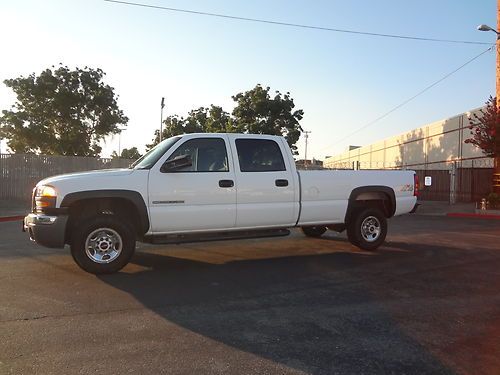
[496,160]
[498,57]
[161,116]
[306,135]
[496,156]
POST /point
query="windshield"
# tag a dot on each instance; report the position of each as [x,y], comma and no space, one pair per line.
[152,156]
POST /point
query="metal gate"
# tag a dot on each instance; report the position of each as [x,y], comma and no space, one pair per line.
[440,188]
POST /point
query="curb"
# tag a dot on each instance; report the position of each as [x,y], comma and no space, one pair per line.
[475,216]
[10,218]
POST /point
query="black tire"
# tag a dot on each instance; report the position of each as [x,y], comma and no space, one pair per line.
[113,231]
[367,228]
[314,231]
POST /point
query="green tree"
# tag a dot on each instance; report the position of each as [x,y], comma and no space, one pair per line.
[127,153]
[201,120]
[257,113]
[208,120]
[218,120]
[61,112]
[172,126]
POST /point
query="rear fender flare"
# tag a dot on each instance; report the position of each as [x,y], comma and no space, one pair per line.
[371,193]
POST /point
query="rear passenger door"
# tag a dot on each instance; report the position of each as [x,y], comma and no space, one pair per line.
[265,195]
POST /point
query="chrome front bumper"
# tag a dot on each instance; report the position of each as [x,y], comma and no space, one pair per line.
[46,230]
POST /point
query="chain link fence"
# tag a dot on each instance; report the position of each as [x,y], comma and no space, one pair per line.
[19,173]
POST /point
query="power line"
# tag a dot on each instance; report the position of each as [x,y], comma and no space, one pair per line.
[410,99]
[357,32]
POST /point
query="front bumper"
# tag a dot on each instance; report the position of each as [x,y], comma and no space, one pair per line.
[46,230]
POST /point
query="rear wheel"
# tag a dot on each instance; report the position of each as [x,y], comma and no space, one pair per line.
[367,229]
[314,231]
[102,244]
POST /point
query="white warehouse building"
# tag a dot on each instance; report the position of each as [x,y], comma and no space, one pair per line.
[437,149]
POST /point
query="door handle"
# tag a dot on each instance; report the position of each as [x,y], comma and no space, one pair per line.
[226,183]
[281,183]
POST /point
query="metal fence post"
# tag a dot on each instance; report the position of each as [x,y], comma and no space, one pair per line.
[453,174]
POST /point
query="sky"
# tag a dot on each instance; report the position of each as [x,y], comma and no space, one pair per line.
[341,81]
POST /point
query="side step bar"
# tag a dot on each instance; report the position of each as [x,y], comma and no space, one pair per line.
[215,236]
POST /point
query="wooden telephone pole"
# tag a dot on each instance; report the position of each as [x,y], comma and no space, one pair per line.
[496,170]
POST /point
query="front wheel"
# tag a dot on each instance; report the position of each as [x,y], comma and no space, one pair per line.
[367,229]
[102,244]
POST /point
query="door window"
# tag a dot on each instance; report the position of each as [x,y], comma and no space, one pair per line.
[259,155]
[207,155]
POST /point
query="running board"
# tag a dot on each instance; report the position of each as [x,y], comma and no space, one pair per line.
[214,236]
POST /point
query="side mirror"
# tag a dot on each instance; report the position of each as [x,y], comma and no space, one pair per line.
[176,163]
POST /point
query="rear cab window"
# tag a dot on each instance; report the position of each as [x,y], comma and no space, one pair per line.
[259,155]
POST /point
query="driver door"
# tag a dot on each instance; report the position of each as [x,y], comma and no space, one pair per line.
[199,197]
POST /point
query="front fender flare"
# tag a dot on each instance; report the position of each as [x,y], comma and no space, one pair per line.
[130,195]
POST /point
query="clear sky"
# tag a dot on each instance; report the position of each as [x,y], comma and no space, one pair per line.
[341,81]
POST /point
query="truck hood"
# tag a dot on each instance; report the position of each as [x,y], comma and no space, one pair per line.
[102,173]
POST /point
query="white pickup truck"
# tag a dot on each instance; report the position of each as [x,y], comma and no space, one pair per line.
[199,187]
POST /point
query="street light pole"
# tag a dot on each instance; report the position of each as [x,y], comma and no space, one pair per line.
[161,117]
[496,158]
[306,135]
[120,142]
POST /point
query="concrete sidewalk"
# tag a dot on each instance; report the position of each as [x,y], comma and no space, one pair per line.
[438,208]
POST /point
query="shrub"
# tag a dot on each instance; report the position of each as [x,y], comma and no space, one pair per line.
[493,200]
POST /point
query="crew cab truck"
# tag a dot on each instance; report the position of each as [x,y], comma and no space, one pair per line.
[198,187]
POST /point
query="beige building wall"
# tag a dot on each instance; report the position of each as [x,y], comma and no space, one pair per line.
[438,145]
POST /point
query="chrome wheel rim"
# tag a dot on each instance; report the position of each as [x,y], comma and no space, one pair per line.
[103,245]
[371,229]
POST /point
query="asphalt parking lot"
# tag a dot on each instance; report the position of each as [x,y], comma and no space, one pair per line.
[427,302]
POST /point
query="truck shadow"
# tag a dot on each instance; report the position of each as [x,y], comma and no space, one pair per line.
[312,313]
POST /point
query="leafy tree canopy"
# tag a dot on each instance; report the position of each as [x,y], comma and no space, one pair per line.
[201,120]
[127,153]
[485,129]
[61,112]
[255,112]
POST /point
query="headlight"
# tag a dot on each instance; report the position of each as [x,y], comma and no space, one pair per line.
[45,197]
[45,191]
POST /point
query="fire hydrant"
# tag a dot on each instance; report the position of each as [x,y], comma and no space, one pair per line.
[483,204]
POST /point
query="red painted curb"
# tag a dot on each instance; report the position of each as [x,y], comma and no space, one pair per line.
[476,216]
[11,218]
